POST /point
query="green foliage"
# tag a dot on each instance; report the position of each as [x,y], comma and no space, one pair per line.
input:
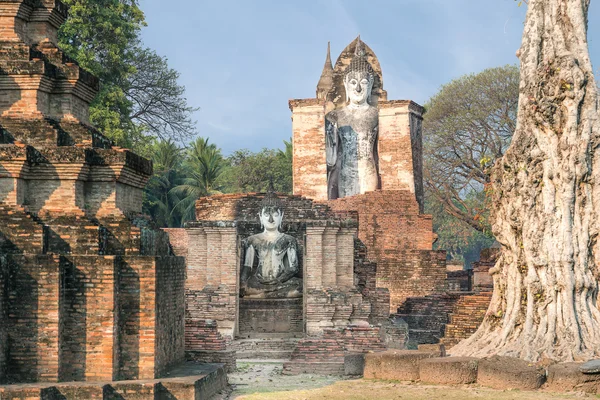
[181,177]
[203,166]
[459,239]
[166,157]
[251,172]
[139,98]
[468,125]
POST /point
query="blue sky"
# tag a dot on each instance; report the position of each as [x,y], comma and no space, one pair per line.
[241,61]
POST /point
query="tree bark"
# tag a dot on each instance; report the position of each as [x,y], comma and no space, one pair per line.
[546,199]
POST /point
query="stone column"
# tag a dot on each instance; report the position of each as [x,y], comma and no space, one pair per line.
[330,259]
[345,258]
[196,259]
[313,262]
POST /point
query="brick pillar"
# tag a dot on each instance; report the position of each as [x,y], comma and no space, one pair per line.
[213,257]
[345,258]
[309,166]
[88,316]
[230,273]
[58,189]
[196,259]
[330,259]
[47,274]
[12,185]
[313,262]
[400,149]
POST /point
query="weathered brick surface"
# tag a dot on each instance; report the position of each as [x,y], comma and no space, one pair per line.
[357,339]
[460,281]
[399,239]
[88,318]
[308,139]
[33,317]
[327,254]
[482,280]
[94,292]
[3,320]
[259,316]
[466,316]
[427,316]
[227,357]
[170,313]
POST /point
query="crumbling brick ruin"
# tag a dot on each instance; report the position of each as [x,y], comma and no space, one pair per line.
[89,290]
[339,283]
[399,238]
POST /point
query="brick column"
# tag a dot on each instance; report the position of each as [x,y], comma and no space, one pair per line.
[310,168]
[330,258]
[229,280]
[395,146]
[313,262]
[58,188]
[345,258]
[12,185]
[213,257]
[196,259]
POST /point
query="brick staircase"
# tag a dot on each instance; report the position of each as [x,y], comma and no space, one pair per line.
[271,348]
[466,317]
[427,317]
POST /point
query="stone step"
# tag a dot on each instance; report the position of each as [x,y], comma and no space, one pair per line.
[263,345]
[423,336]
[264,355]
[421,321]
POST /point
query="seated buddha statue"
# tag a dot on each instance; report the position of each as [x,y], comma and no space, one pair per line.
[351,134]
[270,261]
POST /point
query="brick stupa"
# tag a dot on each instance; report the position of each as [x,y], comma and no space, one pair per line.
[89,291]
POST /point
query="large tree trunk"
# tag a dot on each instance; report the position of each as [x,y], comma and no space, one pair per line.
[545,195]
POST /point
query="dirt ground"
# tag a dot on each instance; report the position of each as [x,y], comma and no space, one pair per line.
[264,381]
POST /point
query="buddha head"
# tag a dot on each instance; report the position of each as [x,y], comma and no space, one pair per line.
[271,213]
[359,78]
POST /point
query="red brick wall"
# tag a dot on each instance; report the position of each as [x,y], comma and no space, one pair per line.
[33,302]
[389,220]
[3,319]
[357,339]
[400,240]
[170,313]
[308,138]
[467,315]
[88,319]
[203,335]
[178,238]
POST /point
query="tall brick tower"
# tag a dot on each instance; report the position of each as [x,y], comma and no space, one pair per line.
[398,236]
[89,291]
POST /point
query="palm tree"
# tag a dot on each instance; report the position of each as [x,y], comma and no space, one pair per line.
[204,164]
[166,159]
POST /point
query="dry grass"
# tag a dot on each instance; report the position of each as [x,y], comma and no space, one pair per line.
[385,390]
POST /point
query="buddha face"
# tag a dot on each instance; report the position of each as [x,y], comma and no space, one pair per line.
[358,87]
[270,218]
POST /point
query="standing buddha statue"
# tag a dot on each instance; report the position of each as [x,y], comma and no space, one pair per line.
[351,134]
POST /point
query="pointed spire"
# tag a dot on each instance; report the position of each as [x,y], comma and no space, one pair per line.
[328,59]
[359,50]
[326,80]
